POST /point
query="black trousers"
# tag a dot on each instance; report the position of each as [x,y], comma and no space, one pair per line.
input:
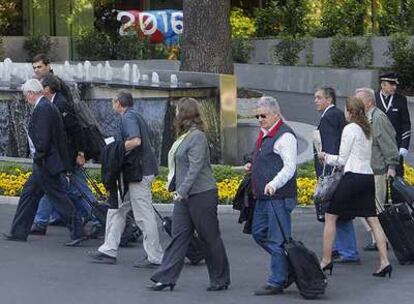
[39,183]
[198,212]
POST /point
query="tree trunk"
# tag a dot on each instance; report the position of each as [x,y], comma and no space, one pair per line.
[206,45]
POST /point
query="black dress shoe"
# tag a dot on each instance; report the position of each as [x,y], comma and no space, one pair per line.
[158,286]
[10,237]
[268,291]
[383,272]
[217,287]
[37,230]
[99,257]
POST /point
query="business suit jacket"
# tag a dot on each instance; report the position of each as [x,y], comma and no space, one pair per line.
[193,172]
[330,128]
[48,136]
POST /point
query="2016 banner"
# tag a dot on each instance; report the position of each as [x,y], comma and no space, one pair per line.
[163,26]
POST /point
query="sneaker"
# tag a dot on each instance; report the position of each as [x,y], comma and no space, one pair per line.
[342,260]
[145,264]
[268,290]
[37,230]
[102,258]
[371,247]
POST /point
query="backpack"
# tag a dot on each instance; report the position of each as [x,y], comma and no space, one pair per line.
[91,140]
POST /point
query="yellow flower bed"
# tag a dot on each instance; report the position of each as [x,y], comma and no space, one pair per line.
[306,187]
[11,184]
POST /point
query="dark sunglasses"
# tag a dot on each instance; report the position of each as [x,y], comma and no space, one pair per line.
[261,116]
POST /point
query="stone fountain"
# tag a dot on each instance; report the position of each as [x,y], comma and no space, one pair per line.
[154,92]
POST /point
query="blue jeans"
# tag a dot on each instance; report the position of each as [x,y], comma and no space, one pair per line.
[46,212]
[345,240]
[266,232]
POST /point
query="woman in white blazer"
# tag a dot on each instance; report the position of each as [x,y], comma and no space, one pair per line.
[355,195]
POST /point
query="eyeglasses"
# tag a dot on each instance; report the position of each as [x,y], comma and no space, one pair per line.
[261,116]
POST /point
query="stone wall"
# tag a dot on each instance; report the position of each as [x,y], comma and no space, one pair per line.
[262,52]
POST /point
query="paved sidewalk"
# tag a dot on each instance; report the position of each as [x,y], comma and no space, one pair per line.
[43,271]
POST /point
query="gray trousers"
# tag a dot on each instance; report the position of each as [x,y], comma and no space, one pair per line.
[140,200]
[199,211]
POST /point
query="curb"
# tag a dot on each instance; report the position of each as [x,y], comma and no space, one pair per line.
[222,209]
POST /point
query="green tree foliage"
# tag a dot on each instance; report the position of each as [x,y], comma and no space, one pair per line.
[345,17]
[287,17]
[242,26]
[10,18]
[401,52]
[396,16]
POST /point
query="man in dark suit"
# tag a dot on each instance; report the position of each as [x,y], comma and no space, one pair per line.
[330,129]
[47,143]
[395,106]
[78,187]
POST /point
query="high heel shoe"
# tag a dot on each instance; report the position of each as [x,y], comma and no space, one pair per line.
[383,272]
[217,287]
[329,267]
[158,286]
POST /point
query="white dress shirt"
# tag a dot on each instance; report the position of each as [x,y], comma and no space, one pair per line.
[286,147]
[354,151]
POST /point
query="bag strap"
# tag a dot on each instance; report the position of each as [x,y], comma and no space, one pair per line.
[158,213]
[285,239]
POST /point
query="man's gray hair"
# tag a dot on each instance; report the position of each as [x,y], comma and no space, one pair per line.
[368,93]
[32,85]
[269,102]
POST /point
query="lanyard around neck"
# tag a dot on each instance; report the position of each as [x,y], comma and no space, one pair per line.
[386,107]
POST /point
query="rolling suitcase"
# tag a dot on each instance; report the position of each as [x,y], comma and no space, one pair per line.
[397,221]
[304,267]
[195,252]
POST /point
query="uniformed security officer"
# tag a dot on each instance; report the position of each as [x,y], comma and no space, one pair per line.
[395,106]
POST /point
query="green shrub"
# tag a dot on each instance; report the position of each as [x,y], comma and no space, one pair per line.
[93,45]
[286,51]
[349,53]
[99,45]
[242,26]
[37,44]
[241,49]
[401,51]
[222,172]
[131,47]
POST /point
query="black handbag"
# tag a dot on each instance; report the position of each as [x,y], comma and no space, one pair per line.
[324,191]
